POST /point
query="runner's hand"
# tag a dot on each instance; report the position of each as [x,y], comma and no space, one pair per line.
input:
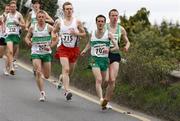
[29,43]
[83,53]
[26,29]
[126,49]
[106,51]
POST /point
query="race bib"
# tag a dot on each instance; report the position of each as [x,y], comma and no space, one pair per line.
[68,40]
[100,50]
[41,48]
[12,29]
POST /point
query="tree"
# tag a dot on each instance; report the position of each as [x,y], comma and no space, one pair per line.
[164,28]
[141,16]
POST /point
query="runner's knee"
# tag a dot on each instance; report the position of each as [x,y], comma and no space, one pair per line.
[99,81]
[66,70]
[111,83]
[10,52]
[112,79]
[46,76]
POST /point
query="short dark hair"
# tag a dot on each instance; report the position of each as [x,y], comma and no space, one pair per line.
[66,3]
[98,16]
[36,1]
[115,10]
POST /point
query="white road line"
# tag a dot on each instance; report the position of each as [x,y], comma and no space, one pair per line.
[28,68]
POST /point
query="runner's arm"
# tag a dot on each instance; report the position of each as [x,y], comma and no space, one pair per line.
[28,21]
[81,32]
[125,38]
[2,23]
[4,18]
[54,36]
[111,38]
[56,28]
[28,37]
[49,19]
[21,21]
[87,47]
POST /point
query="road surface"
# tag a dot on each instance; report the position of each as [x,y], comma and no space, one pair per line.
[19,102]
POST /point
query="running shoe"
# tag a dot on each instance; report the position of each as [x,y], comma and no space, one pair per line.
[15,65]
[12,71]
[6,72]
[108,106]
[59,83]
[42,97]
[59,86]
[68,95]
[103,103]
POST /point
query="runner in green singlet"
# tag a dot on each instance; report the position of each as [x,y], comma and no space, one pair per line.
[41,40]
[100,47]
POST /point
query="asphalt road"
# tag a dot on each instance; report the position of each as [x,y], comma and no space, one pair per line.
[19,102]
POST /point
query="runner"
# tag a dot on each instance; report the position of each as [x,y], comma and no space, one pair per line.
[39,39]
[16,51]
[13,21]
[31,19]
[114,56]
[3,43]
[6,10]
[70,29]
[100,47]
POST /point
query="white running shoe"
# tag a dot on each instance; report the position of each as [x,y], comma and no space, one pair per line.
[15,65]
[6,72]
[43,96]
[108,106]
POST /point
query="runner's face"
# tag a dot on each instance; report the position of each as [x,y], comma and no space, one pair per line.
[68,10]
[114,17]
[36,6]
[7,9]
[12,8]
[41,18]
[100,23]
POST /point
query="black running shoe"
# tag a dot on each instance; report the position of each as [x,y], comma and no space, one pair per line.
[104,103]
[68,95]
[59,86]
[12,72]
